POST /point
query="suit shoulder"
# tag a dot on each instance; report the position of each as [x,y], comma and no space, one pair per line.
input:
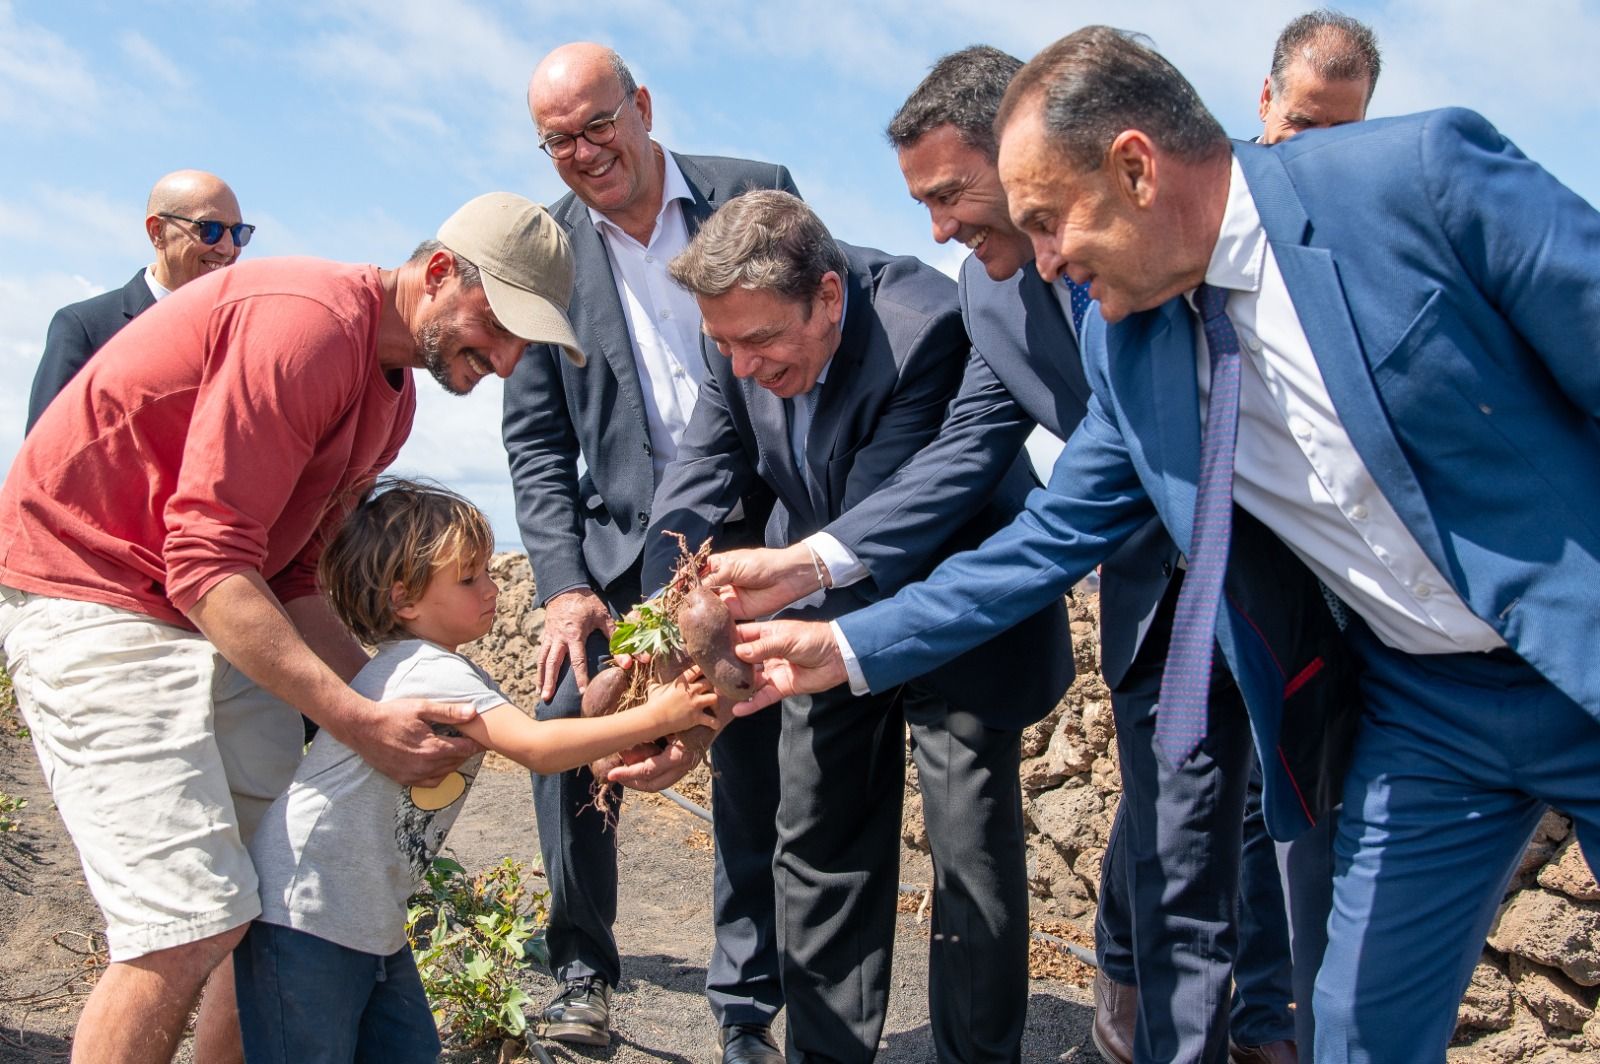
[903,280]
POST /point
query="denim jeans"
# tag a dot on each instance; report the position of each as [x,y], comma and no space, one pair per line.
[305,1000]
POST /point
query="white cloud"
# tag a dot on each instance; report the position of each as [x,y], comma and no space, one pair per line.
[44,82]
[151,62]
[26,306]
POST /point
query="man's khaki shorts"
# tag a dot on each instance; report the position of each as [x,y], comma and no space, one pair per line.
[161,758]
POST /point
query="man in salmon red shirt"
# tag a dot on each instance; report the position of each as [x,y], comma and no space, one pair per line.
[159,615]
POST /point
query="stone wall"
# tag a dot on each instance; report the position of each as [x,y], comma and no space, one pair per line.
[1533,995]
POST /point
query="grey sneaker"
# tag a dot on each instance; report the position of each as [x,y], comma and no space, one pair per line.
[581,1013]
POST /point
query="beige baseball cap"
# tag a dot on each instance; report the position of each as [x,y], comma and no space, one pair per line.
[525,262]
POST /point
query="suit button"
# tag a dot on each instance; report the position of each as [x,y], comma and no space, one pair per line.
[647,449]
[1166,568]
[643,517]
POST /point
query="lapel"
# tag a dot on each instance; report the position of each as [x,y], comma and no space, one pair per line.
[601,323]
[770,424]
[136,297]
[834,401]
[1065,367]
[1312,277]
[704,191]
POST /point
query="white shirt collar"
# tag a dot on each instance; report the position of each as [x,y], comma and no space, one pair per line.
[157,289]
[674,186]
[1241,249]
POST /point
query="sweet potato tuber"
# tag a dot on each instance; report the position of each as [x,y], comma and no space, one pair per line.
[709,636]
[605,692]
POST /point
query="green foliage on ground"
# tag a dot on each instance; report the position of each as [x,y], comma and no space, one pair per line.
[471,934]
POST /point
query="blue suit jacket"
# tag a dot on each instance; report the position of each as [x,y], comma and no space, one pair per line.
[899,361]
[79,330]
[1447,287]
[586,531]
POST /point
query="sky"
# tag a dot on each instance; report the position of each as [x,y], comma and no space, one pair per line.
[351,128]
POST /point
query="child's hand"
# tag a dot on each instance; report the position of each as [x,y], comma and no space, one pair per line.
[687,702]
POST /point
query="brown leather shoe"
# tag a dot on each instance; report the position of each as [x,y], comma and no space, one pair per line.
[1116,1010]
[1271,1053]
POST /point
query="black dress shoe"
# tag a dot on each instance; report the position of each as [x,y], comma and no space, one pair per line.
[581,1013]
[749,1043]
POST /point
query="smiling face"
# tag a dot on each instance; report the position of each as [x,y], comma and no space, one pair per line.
[180,254]
[1310,101]
[1100,227]
[621,179]
[459,340]
[456,607]
[960,186]
[780,343]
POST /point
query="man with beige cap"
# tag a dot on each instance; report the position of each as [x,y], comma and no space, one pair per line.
[159,613]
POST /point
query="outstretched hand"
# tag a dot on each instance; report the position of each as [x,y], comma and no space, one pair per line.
[649,769]
[791,658]
[761,581]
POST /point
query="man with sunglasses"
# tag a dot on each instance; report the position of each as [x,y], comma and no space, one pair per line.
[633,207]
[192,220]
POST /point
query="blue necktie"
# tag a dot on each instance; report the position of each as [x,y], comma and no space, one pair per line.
[1181,710]
[1080,305]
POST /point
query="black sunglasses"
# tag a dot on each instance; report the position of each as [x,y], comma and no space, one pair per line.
[211,230]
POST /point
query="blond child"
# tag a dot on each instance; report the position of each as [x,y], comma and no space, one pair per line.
[325,973]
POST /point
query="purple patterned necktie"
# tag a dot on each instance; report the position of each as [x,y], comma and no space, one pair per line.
[1181,710]
[1079,294]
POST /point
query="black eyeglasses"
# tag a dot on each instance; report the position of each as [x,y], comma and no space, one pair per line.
[600,131]
[211,230]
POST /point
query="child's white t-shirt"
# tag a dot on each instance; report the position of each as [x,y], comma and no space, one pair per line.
[342,849]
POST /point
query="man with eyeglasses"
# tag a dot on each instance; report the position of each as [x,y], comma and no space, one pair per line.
[633,207]
[159,609]
[192,219]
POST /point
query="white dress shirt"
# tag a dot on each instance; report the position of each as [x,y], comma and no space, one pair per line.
[157,290]
[663,318]
[1296,470]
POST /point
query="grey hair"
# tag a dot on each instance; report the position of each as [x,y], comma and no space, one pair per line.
[1100,81]
[624,75]
[1335,46]
[962,90]
[466,269]
[766,239]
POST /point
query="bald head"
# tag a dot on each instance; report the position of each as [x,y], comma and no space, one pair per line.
[181,253]
[594,122]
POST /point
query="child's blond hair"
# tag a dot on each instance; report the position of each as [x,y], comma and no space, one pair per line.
[401,533]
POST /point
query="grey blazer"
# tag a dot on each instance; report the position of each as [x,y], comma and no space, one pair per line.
[585,531]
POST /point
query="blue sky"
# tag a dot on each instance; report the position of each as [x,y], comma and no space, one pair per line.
[351,128]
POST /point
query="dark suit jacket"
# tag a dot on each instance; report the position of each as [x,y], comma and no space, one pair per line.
[899,361]
[586,531]
[79,330]
[1024,371]
[1458,350]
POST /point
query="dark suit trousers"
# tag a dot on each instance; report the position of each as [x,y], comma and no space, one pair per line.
[580,856]
[1176,848]
[842,760]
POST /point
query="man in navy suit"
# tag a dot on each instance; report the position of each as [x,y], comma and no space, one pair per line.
[633,207]
[185,208]
[1417,309]
[836,364]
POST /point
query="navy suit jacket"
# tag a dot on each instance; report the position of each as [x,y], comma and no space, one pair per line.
[900,359]
[1024,371]
[586,531]
[79,330]
[1447,287]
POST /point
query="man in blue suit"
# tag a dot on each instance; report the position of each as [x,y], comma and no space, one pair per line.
[192,220]
[1416,310]
[586,449]
[829,366]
